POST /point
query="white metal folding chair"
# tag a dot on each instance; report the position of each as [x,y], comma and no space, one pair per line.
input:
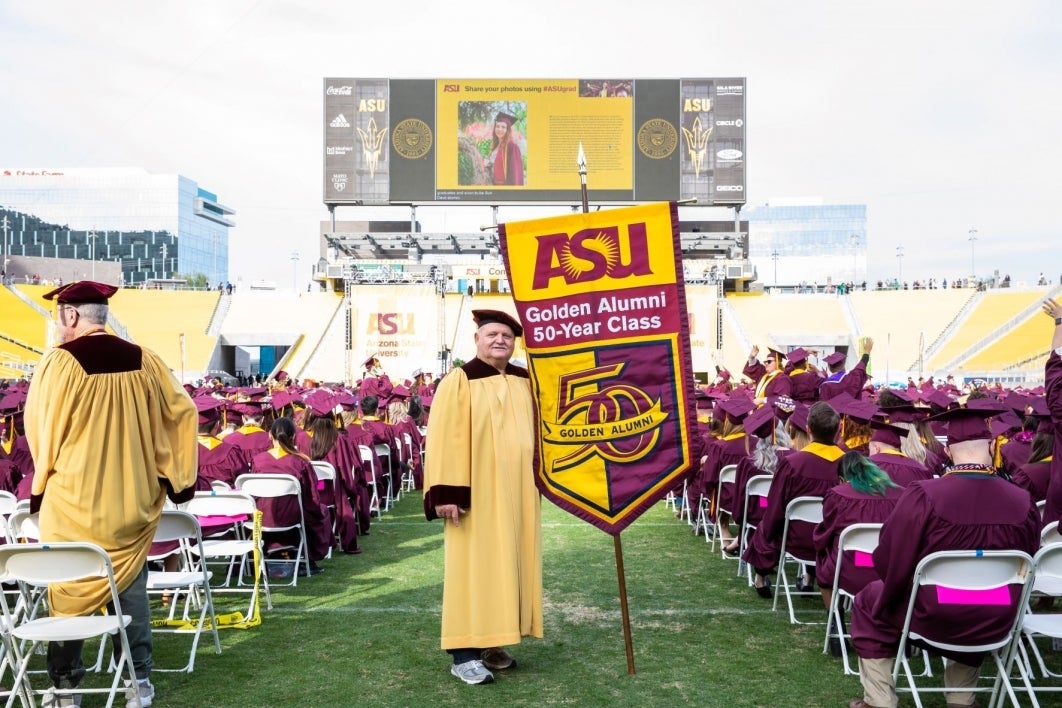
[367,458]
[808,510]
[757,487]
[971,575]
[326,480]
[37,565]
[727,475]
[269,486]
[8,503]
[228,511]
[860,540]
[383,452]
[1047,579]
[192,579]
[408,482]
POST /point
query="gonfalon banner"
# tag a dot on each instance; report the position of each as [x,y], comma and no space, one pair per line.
[602,302]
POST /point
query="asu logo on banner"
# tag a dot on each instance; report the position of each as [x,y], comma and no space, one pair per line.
[602,303]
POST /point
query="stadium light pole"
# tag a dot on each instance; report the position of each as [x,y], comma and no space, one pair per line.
[92,252]
[899,267]
[295,271]
[774,257]
[5,224]
[973,241]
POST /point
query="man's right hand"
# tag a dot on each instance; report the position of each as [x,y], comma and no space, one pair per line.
[449,511]
[755,353]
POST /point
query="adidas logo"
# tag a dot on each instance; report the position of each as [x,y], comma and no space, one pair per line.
[339,122]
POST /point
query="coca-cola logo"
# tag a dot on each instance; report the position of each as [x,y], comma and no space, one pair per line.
[339,90]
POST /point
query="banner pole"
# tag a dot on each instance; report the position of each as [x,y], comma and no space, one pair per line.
[627,641]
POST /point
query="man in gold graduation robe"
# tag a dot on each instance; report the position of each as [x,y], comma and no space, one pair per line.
[112,432]
[478,479]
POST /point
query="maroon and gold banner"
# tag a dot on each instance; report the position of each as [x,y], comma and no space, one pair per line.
[603,307]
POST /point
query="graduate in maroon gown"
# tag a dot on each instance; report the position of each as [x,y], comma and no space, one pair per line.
[851,382]
[330,443]
[284,458]
[375,381]
[969,508]
[769,377]
[810,472]
[805,378]
[867,496]
[217,461]
[1053,395]
[885,443]
[251,438]
[1035,475]
[730,448]
[505,162]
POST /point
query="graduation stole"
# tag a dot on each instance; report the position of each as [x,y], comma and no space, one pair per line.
[209,441]
[761,387]
[830,453]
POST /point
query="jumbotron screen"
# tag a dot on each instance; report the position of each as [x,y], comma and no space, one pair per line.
[501,141]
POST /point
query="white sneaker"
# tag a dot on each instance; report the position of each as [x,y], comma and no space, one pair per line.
[147,694]
[472,672]
[51,699]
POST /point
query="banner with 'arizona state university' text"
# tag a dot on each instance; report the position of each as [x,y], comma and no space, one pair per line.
[602,303]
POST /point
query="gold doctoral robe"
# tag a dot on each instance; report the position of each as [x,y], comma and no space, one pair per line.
[480,451]
[106,421]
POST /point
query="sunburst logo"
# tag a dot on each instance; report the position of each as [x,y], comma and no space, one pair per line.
[372,141]
[697,144]
[601,244]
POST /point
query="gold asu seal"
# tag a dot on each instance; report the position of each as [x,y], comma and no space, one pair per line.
[411,138]
[657,138]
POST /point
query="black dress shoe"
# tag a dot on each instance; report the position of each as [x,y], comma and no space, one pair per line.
[764,590]
[801,587]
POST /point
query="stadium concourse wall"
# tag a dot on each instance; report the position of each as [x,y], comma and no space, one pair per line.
[994,335]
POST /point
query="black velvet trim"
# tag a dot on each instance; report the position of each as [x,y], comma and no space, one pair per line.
[104,354]
[446,494]
[177,497]
[479,369]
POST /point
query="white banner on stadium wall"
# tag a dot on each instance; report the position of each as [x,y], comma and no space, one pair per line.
[701,305]
[400,325]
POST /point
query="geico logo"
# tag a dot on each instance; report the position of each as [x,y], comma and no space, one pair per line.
[591,254]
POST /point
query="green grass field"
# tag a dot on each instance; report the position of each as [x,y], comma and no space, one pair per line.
[366,632]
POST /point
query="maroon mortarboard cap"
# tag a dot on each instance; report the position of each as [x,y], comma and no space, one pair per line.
[209,408]
[797,355]
[840,401]
[885,433]
[368,362]
[1016,402]
[1006,422]
[483,317]
[1038,406]
[966,424]
[900,393]
[1045,427]
[760,422]
[400,392]
[904,414]
[503,117]
[835,358]
[863,411]
[724,374]
[12,400]
[426,399]
[247,408]
[279,399]
[736,409]
[989,404]
[416,373]
[82,291]
[799,417]
[777,354]
[347,400]
[783,406]
[939,399]
[321,403]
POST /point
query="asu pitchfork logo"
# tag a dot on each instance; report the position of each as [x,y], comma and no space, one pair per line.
[615,422]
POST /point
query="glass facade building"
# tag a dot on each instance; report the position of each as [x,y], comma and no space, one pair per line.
[155,226]
[791,244]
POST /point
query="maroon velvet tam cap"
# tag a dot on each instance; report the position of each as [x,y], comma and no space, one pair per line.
[835,358]
[760,422]
[736,409]
[82,291]
[883,432]
[798,355]
[966,424]
[483,317]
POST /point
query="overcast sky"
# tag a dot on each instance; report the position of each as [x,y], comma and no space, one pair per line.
[939,116]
